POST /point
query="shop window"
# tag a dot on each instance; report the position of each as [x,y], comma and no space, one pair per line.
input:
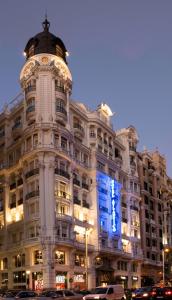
[19,277]
[38,257]
[60,257]
[79,260]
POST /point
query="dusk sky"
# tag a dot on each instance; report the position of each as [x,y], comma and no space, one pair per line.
[120,53]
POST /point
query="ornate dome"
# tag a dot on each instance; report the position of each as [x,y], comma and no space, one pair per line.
[45,42]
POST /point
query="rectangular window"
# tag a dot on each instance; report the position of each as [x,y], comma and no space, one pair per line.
[60,257]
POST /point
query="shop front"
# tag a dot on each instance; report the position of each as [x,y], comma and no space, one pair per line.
[135,281]
[104,275]
[123,280]
[61,280]
[79,282]
[37,281]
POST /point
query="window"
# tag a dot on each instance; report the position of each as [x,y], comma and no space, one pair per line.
[146,199]
[147,242]
[79,260]
[19,277]
[134,267]
[19,260]
[146,214]
[145,186]
[38,257]
[5,263]
[151,205]
[64,143]
[60,257]
[159,207]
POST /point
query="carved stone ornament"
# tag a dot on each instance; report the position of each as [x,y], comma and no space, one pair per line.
[28,69]
[44,60]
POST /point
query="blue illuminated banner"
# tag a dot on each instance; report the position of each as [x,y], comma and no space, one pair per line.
[115,206]
[109,203]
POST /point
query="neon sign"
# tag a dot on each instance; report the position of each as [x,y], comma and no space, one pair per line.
[115,205]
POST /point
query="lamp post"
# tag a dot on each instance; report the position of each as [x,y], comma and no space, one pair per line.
[164,250]
[27,278]
[87,231]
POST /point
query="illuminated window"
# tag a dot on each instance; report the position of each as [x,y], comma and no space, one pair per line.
[38,257]
[79,260]
[5,263]
[60,257]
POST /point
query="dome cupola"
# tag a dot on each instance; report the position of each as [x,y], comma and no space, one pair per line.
[45,42]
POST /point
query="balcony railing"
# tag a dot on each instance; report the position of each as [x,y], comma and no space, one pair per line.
[30,88]
[63,194]
[59,89]
[32,194]
[17,125]
[32,173]
[30,108]
[76,181]
[78,126]
[62,172]
[76,200]
[61,109]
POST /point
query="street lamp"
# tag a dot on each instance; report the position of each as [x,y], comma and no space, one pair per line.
[27,278]
[87,232]
[164,250]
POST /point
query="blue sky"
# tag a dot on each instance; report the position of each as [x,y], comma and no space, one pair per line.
[120,53]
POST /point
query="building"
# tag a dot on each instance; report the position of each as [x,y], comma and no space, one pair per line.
[155,215]
[63,170]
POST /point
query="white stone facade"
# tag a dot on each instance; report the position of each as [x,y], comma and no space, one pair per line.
[51,150]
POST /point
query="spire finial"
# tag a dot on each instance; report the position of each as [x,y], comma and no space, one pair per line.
[46,23]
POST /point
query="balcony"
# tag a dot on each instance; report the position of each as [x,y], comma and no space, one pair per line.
[17,129]
[85,204]
[59,89]
[62,194]
[76,182]
[32,194]
[61,114]
[32,173]
[76,200]
[31,88]
[13,186]
[85,186]
[30,112]
[63,217]
[78,130]
[62,172]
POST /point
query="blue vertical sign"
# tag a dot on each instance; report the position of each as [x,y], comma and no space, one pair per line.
[115,205]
